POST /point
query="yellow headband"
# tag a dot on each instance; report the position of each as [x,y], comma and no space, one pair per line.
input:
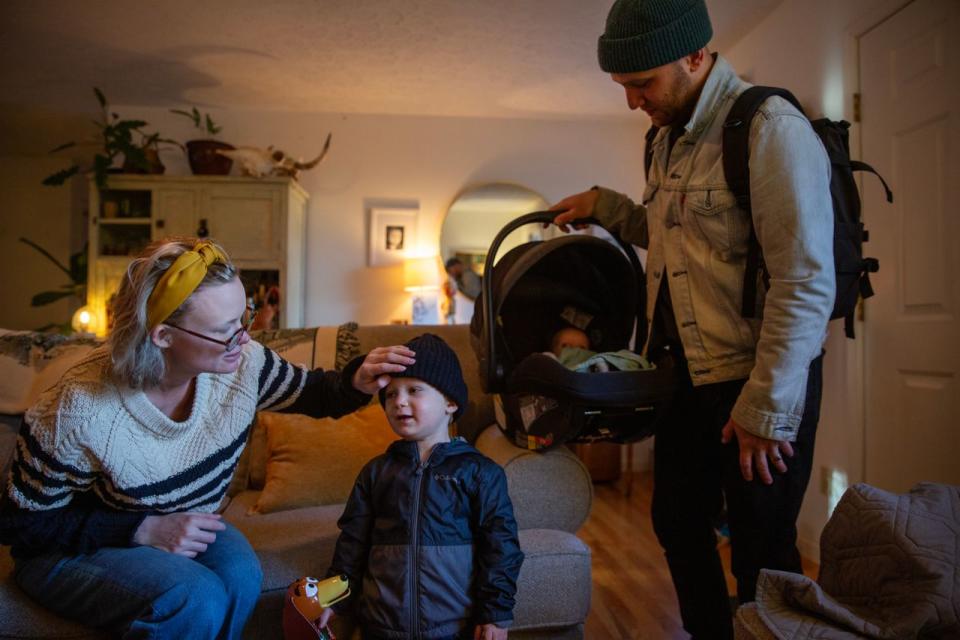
[181,279]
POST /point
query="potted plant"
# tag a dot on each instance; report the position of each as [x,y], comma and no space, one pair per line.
[76,271]
[118,138]
[203,156]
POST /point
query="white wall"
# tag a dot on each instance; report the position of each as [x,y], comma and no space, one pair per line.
[41,214]
[819,67]
[424,161]
[50,216]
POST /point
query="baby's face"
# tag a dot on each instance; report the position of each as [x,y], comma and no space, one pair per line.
[569,337]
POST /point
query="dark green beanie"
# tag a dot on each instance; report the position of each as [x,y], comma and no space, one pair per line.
[644,34]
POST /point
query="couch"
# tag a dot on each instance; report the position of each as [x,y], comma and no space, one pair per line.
[551,492]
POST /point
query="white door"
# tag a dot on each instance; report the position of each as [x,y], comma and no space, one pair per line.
[910,85]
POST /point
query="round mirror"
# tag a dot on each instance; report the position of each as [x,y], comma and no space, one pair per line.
[473,220]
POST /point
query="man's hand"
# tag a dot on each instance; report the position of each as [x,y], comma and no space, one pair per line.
[186,534]
[489,632]
[755,450]
[374,373]
[576,206]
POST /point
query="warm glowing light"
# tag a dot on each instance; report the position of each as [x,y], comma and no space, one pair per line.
[83,320]
[421,274]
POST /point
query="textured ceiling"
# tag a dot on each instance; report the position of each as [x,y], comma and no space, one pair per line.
[484,58]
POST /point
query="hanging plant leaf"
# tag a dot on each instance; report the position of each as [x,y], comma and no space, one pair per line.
[100,98]
[66,145]
[61,176]
[46,254]
[46,297]
[212,128]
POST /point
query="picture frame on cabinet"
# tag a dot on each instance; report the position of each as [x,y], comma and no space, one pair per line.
[392,235]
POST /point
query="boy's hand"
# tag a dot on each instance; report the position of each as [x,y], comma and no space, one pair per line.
[489,631]
[374,373]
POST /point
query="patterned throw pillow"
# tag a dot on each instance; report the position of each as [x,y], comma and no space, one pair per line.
[31,362]
[348,344]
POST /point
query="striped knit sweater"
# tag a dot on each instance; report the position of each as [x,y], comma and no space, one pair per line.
[94,458]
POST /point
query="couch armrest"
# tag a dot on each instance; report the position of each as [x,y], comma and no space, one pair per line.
[550,490]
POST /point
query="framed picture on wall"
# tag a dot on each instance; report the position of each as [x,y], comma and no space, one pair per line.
[393,234]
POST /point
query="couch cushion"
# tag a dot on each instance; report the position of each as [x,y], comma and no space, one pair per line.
[554,585]
[290,544]
[549,490]
[297,346]
[315,461]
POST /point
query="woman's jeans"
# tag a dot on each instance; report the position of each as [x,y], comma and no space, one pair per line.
[694,475]
[143,592]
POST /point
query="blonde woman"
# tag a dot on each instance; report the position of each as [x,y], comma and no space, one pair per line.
[120,467]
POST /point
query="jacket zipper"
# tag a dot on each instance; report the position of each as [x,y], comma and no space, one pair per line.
[415,550]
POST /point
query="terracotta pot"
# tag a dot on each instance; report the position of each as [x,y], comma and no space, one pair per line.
[204,159]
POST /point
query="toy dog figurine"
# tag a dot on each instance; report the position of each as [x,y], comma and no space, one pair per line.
[304,603]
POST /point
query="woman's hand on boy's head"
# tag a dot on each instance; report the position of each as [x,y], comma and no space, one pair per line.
[374,373]
[489,631]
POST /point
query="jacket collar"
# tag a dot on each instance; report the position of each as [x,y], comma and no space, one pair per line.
[721,82]
[408,449]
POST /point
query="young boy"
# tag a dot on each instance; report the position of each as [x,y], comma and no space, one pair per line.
[428,539]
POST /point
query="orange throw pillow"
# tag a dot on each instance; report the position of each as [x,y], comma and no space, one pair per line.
[315,461]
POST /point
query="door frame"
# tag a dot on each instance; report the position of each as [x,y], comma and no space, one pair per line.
[854,350]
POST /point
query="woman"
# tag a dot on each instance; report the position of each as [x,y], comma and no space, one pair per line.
[120,467]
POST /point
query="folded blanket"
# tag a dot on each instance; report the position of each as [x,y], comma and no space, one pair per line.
[585,360]
[890,568]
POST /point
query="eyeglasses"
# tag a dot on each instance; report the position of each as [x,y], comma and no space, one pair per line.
[230,343]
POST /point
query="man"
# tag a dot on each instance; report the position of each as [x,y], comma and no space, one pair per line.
[468,282]
[750,388]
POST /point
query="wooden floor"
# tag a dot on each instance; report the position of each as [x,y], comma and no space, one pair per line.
[633,596]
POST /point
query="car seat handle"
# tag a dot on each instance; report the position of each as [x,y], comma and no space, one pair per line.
[493,372]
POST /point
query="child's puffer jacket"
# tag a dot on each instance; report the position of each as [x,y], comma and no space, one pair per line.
[440,555]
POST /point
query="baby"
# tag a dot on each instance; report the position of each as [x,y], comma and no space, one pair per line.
[571,346]
[569,337]
[428,539]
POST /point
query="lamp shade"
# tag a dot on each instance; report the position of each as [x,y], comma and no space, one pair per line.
[421,274]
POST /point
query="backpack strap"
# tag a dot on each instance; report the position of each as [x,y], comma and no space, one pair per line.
[856,165]
[736,171]
[648,149]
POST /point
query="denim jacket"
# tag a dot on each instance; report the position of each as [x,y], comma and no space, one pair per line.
[697,237]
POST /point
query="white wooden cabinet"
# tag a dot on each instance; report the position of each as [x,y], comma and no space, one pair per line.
[261,223]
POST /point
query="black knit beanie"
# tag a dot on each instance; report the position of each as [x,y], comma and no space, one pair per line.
[644,34]
[437,365]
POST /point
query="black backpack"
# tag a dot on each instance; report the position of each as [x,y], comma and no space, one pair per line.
[852,269]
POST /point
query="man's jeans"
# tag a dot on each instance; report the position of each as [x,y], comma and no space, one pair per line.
[694,474]
[143,592]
